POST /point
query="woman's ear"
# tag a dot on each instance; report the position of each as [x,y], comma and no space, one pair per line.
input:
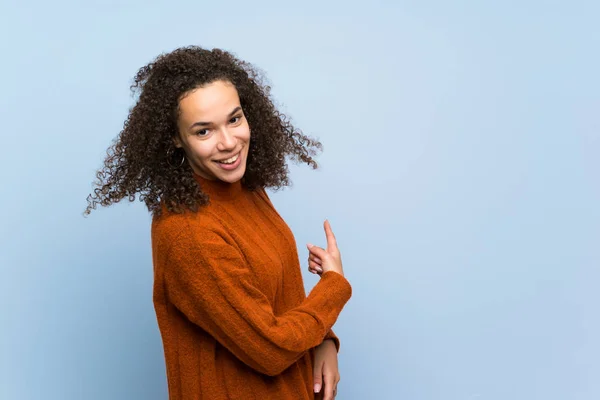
[177,142]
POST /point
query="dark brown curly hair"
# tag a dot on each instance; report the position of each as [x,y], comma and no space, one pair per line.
[143,158]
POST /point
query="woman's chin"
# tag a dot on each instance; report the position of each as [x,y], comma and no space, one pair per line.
[231,177]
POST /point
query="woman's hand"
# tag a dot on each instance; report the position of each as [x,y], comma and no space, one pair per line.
[325,372]
[321,260]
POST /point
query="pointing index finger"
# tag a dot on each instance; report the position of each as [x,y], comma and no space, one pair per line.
[331,242]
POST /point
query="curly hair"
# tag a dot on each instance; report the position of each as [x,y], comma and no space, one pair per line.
[140,159]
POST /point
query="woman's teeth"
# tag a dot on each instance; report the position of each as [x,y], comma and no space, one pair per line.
[230,160]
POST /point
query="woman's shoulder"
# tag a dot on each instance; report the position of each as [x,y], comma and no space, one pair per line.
[172,224]
[262,193]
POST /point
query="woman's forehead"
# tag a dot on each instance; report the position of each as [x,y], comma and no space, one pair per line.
[209,103]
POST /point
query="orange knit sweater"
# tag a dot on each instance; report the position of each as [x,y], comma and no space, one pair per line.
[230,301]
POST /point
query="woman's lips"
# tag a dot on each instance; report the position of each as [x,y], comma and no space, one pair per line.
[232,166]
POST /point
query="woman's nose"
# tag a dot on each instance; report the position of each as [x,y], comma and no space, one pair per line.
[226,141]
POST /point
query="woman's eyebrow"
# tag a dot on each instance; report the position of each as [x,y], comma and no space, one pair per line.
[200,123]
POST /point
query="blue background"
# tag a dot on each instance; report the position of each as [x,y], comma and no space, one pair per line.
[460,174]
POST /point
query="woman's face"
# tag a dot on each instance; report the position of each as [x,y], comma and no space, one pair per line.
[213,130]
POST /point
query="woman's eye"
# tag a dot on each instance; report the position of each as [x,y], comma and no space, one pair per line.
[233,120]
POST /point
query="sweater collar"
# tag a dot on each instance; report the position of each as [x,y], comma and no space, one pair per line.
[218,189]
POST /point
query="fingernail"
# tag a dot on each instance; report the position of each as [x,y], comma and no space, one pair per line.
[309,245]
[319,269]
[317,387]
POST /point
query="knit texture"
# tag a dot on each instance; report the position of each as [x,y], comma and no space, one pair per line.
[230,301]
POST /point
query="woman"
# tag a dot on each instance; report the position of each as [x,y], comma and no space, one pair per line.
[201,144]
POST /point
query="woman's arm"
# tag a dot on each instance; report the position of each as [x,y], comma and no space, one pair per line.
[333,337]
[208,280]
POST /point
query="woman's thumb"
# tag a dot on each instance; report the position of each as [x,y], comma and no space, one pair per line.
[318,378]
[317,251]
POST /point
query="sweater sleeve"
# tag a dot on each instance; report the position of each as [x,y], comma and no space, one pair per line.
[208,280]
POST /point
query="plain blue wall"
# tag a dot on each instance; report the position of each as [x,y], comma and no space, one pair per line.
[460,174]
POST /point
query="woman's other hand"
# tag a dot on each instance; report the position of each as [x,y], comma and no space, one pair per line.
[325,371]
[322,260]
